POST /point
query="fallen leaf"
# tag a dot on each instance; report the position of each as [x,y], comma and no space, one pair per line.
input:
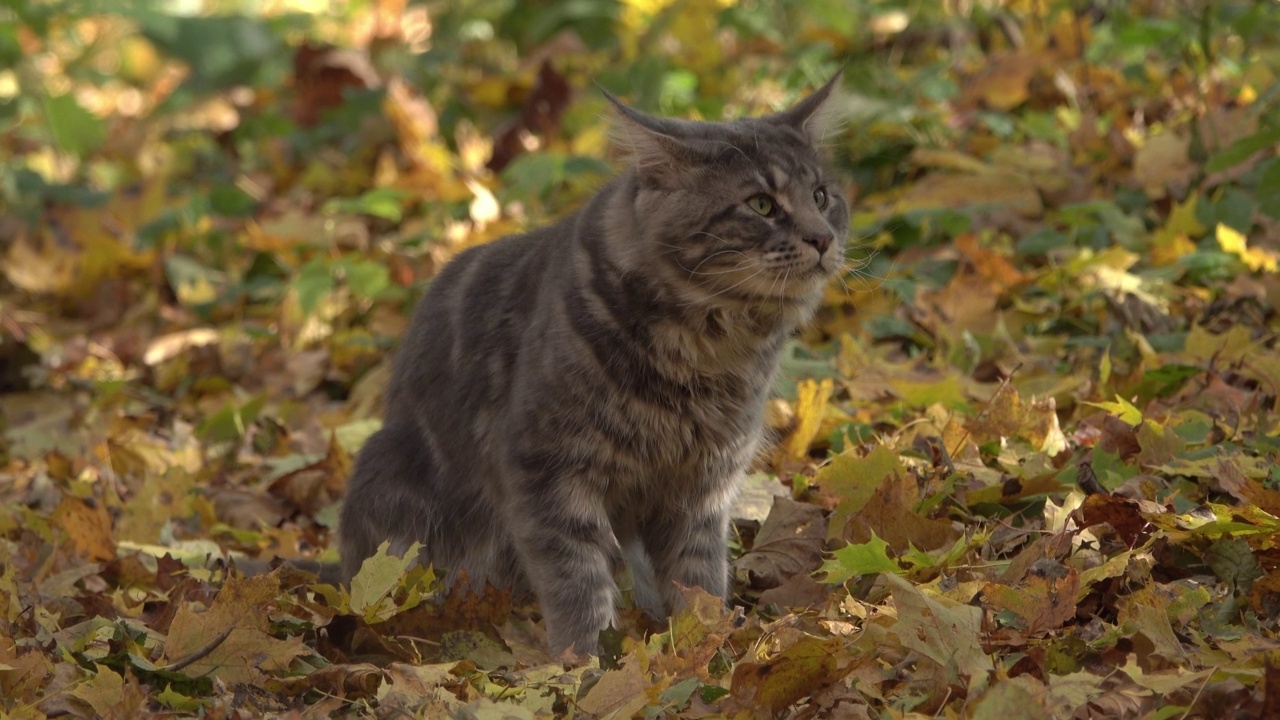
[618,693]
[790,542]
[799,670]
[945,631]
[230,638]
[88,526]
[1045,600]
[1121,514]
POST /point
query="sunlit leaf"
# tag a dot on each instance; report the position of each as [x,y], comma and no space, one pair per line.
[853,560]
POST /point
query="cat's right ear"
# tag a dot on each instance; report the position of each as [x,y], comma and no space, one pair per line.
[816,114]
[655,144]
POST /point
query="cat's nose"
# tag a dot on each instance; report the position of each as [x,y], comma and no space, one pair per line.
[820,242]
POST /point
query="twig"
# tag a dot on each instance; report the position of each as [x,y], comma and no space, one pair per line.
[198,654]
[1203,685]
[985,409]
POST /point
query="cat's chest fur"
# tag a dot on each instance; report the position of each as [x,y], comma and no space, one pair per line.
[679,398]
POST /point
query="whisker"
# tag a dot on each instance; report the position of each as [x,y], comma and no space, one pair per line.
[704,260]
[724,290]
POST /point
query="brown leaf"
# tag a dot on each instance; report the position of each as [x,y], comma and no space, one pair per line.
[1087,479]
[1011,191]
[620,693]
[1020,697]
[320,75]
[698,631]
[247,510]
[238,615]
[88,526]
[353,682]
[966,303]
[939,628]
[1118,437]
[1003,83]
[797,671]
[312,487]
[1121,514]
[853,480]
[1245,489]
[1008,415]
[1162,165]
[1271,692]
[993,266]
[1046,599]
[22,673]
[888,514]
[790,542]
[539,116]
[798,591]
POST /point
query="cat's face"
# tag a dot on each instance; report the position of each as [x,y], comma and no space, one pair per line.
[745,210]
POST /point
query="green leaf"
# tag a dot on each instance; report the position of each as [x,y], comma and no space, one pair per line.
[1267,194]
[222,51]
[75,130]
[314,281]
[231,422]
[1242,149]
[852,561]
[680,693]
[385,203]
[367,279]
[712,693]
[229,200]
[534,175]
[1234,563]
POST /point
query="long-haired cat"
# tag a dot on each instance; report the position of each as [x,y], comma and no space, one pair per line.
[593,391]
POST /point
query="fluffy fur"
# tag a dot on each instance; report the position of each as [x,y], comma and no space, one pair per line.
[593,391]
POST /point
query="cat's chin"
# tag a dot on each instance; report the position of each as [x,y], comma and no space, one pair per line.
[806,280]
[795,286]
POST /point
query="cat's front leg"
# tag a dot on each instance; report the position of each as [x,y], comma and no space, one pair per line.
[689,549]
[567,550]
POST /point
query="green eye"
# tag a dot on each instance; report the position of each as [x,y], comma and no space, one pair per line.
[762,204]
[820,198]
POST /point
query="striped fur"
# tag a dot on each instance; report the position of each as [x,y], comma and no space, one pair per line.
[591,392]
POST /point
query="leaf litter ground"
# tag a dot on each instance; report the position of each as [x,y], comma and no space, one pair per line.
[1027,457]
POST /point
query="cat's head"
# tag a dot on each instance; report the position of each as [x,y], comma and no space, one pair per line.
[745,210]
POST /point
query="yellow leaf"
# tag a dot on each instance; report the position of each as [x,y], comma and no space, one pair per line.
[40,269]
[1232,241]
[1173,241]
[1122,409]
[1168,249]
[810,408]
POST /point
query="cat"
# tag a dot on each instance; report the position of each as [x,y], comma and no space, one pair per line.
[592,391]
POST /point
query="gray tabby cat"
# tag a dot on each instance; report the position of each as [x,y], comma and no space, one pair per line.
[593,391]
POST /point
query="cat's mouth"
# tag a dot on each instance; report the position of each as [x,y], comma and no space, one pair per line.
[795,280]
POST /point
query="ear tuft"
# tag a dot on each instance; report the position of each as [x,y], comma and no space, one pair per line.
[814,115]
[654,143]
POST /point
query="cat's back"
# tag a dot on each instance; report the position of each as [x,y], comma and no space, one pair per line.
[464,338]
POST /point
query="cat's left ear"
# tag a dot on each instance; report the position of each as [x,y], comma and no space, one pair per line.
[814,115]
